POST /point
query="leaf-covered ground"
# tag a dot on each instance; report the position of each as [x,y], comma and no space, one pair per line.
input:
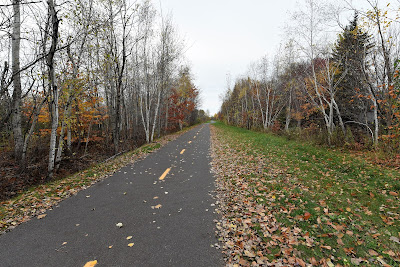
[38,199]
[284,203]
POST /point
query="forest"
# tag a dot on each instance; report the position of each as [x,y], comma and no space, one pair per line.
[332,81]
[83,80]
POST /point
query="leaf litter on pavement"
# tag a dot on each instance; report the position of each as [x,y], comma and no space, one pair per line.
[287,204]
[40,198]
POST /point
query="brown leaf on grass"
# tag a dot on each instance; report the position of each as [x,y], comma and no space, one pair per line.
[350,233]
[390,253]
[340,242]
[356,261]
[326,247]
[373,252]
[301,262]
[392,193]
[395,239]
[349,250]
[307,216]
[313,261]
[91,263]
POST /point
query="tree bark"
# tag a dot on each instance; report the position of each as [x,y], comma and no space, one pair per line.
[16,78]
[53,90]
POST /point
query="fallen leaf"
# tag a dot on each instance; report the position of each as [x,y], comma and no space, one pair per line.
[350,233]
[91,263]
[373,252]
[158,206]
[313,261]
[395,239]
[41,216]
[356,261]
[119,225]
[129,237]
[307,215]
[390,253]
[326,247]
[393,194]
[131,244]
[329,263]
[110,246]
[155,197]
[64,243]
[249,254]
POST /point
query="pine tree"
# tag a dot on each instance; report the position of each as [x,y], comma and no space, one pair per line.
[350,53]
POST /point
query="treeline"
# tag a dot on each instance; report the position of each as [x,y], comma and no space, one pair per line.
[86,75]
[345,91]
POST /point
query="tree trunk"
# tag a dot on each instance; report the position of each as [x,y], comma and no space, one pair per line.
[16,78]
[53,90]
[288,112]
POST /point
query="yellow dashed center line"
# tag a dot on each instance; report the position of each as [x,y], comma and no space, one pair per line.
[164,174]
[183,151]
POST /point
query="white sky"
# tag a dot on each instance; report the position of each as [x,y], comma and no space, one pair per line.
[225,36]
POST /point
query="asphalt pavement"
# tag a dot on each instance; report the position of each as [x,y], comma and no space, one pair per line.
[164,203]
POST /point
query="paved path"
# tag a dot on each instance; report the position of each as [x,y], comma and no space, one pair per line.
[170,220]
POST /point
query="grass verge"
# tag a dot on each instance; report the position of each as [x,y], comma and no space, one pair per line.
[286,203]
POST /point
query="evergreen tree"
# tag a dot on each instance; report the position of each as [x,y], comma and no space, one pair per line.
[350,53]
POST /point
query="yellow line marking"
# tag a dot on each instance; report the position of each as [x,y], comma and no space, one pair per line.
[183,151]
[190,142]
[164,174]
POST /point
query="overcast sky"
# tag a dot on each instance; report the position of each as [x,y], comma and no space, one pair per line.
[224,36]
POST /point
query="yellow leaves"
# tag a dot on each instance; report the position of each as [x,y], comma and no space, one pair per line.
[129,237]
[131,245]
[90,263]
